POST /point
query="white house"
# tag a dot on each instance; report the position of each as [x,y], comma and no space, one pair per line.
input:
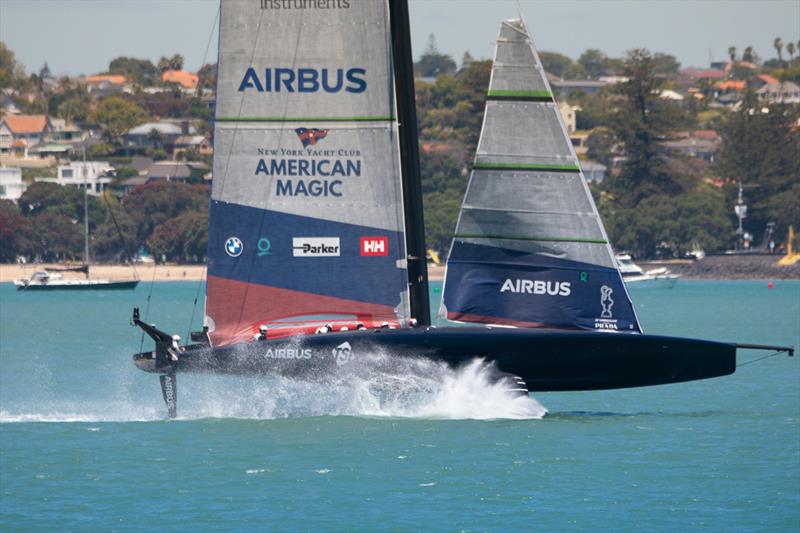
[11,186]
[97,175]
[568,115]
[780,93]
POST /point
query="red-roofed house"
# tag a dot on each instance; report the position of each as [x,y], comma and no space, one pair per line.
[20,132]
[185,79]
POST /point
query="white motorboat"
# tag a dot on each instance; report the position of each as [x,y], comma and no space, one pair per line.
[634,276]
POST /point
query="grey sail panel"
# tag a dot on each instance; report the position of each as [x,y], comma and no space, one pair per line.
[530,248]
[306,221]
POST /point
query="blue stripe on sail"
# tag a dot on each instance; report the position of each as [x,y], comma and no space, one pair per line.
[489,284]
[266,255]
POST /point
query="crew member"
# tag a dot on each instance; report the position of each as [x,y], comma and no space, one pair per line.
[175,349]
[262,333]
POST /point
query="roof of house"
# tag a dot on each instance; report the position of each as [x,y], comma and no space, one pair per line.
[190,140]
[117,79]
[732,85]
[185,79]
[60,124]
[698,73]
[26,123]
[164,128]
[766,78]
[135,181]
[169,170]
[786,86]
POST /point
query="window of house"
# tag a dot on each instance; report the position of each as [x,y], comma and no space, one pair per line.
[66,173]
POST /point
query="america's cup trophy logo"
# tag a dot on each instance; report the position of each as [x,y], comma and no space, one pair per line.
[606,301]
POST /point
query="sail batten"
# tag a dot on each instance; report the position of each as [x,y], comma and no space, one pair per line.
[306,218]
[529,248]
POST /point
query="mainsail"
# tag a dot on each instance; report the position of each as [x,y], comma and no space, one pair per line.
[530,249]
[306,219]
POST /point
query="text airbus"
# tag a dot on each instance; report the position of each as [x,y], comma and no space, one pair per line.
[305,80]
[537,286]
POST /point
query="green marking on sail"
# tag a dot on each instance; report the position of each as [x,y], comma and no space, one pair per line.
[374,118]
[519,94]
[526,166]
[533,238]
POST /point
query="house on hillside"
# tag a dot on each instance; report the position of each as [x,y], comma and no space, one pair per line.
[187,80]
[18,133]
[593,171]
[567,115]
[702,144]
[161,134]
[786,92]
[11,184]
[562,88]
[198,143]
[101,85]
[95,175]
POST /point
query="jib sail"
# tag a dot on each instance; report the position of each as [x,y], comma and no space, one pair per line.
[306,220]
[530,249]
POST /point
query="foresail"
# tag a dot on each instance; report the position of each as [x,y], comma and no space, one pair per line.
[306,220]
[530,248]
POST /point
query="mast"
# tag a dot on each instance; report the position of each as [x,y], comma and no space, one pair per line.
[409,159]
[85,216]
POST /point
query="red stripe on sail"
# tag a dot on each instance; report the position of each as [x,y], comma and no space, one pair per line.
[236,308]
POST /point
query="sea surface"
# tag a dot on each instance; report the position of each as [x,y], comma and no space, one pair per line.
[85,446]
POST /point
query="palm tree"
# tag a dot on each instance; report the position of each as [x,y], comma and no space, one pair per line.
[732,53]
[748,54]
[163,64]
[778,44]
[790,48]
[176,62]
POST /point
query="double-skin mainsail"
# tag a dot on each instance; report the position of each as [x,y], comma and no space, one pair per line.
[306,220]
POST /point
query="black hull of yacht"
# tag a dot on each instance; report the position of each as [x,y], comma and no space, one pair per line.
[103,286]
[547,360]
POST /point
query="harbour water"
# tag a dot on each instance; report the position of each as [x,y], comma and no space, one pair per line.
[84,445]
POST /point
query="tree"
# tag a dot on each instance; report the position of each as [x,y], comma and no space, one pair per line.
[600,145]
[555,63]
[207,77]
[760,149]
[790,49]
[176,62]
[154,203]
[163,64]
[732,53]
[8,67]
[748,55]
[138,71]
[778,45]
[15,233]
[665,64]
[118,115]
[72,109]
[593,62]
[432,63]
[639,123]
[183,239]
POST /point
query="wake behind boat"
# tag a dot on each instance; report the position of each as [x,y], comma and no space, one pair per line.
[316,258]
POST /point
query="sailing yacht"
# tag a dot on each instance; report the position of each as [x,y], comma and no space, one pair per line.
[53,279]
[316,257]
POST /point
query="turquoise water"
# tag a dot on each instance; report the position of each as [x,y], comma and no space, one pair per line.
[84,446]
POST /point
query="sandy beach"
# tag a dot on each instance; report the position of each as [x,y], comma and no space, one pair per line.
[10,272]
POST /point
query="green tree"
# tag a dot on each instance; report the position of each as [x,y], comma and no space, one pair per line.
[600,146]
[15,233]
[665,64]
[433,63]
[593,61]
[183,239]
[555,63]
[778,45]
[117,116]
[207,77]
[154,203]
[759,147]
[138,71]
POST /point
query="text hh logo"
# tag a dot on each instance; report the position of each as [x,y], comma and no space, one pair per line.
[606,301]
[374,246]
[234,246]
[343,353]
[310,135]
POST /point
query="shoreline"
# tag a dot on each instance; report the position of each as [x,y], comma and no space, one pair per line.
[752,267]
